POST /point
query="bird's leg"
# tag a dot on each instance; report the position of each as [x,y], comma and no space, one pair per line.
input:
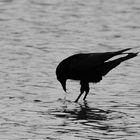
[79,96]
[82,89]
[86,90]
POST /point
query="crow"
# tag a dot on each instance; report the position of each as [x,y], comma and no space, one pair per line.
[89,68]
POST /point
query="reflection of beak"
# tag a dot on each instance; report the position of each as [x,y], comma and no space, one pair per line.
[63,83]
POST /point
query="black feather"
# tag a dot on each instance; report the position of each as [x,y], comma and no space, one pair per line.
[89,67]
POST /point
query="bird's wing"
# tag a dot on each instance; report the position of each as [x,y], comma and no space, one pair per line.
[85,62]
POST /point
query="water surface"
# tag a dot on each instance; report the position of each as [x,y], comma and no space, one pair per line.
[34,37]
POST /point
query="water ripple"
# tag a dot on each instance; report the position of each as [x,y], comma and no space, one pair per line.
[34,37]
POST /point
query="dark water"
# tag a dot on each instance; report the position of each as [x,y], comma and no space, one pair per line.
[35,35]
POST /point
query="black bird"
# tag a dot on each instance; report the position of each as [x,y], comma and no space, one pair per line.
[89,67]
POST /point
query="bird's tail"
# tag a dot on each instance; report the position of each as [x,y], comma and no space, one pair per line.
[112,64]
[121,51]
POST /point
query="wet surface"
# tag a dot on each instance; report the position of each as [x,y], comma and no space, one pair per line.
[34,37]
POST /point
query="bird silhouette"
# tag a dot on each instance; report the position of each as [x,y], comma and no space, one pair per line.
[89,67]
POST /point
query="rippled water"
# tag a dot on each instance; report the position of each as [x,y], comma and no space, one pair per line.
[35,35]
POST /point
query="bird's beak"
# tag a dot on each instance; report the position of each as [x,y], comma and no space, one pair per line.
[63,83]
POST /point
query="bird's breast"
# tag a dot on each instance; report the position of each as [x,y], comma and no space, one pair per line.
[87,76]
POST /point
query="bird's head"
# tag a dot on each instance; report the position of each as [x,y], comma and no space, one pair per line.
[63,83]
[61,75]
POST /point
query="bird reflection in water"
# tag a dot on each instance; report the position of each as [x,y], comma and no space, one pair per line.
[82,112]
[82,119]
[94,118]
[87,113]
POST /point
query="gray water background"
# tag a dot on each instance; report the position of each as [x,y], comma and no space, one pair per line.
[35,35]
